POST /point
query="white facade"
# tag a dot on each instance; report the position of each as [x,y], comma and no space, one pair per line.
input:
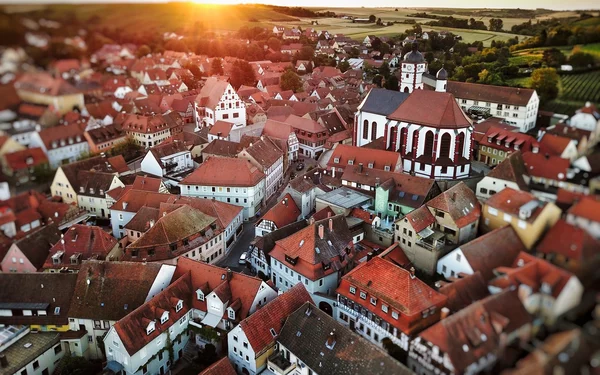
[590,226]
[285,278]
[454,263]
[45,363]
[522,117]
[230,108]
[149,139]
[489,186]
[63,153]
[585,121]
[412,76]
[95,205]
[374,125]
[250,197]
[169,164]
[241,354]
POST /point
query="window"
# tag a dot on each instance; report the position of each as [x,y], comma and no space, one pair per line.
[458,257]
[235,338]
[245,344]
[395,314]
[373,301]
[373,131]
[36,365]
[483,190]
[492,211]
[428,143]
[365,130]
[507,218]
[363,295]
[57,349]
[439,214]
[384,308]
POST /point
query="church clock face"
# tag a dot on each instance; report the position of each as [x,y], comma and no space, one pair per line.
[409,68]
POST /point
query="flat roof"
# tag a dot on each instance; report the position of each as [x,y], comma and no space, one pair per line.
[27,349]
[345,197]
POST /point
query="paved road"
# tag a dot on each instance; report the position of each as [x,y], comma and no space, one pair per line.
[242,244]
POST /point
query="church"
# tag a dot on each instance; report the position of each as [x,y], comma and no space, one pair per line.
[427,127]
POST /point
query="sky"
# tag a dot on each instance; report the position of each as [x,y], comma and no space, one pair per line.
[530,4]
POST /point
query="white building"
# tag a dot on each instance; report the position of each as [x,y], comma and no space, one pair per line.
[92,191]
[30,353]
[587,118]
[371,115]
[511,172]
[412,69]
[268,158]
[151,130]
[167,159]
[285,132]
[219,101]
[243,184]
[62,144]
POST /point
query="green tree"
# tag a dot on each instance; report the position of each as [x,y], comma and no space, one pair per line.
[581,59]
[143,51]
[372,18]
[242,74]
[496,24]
[545,82]
[553,57]
[216,67]
[384,70]
[71,365]
[343,66]
[490,78]
[379,22]
[129,149]
[378,80]
[274,43]
[392,83]
[290,81]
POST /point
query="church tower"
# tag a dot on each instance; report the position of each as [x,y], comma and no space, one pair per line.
[413,67]
[441,80]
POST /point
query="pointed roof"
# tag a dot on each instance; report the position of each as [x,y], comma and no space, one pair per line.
[285,212]
[460,202]
[240,173]
[431,108]
[512,169]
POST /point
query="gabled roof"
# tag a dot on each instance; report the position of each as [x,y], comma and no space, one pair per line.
[552,167]
[569,241]
[431,108]
[264,151]
[89,241]
[509,200]
[306,334]
[476,331]
[257,327]
[240,172]
[463,291]
[512,169]
[379,158]
[166,149]
[212,92]
[104,134]
[28,158]
[587,208]
[105,297]
[222,367]
[487,93]
[143,219]
[94,184]
[54,290]
[221,147]
[382,101]
[554,144]
[146,183]
[460,202]
[497,248]
[277,129]
[304,124]
[37,243]
[284,212]
[98,163]
[62,135]
[221,128]
[420,218]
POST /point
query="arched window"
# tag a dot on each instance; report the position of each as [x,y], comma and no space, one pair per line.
[373,131]
[428,150]
[406,89]
[393,138]
[445,145]
[366,129]
[460,144]
[403,135]
[415,140]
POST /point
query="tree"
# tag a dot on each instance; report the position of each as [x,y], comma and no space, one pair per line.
[306,53]
[490,78]
[128,148]
[290,81]
[581,59]
[216,68]
[343,66]
[242,74]
[143,51]
[392,83]
[378,80]
[384,70]
[379,22]
[553,57]
[274,43]
[545,82]
[496,24]
[372,18]
[71,365]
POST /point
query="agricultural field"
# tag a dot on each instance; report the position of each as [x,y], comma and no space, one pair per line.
[580,87]
[593,49]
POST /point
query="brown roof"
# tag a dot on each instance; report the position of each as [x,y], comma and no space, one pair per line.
[420,218]
[464,291]
[62,135]
[304,124]
[211,92]
[431,108]
[221,128]
[497,248]
[493,94]
[221,147]
[54,290]
[140,222]
[264,151]
[105,134]
[257,327]
[28,158]
[98,163]
[151,123]
[460,202]
[44,83]
[478,330]
[105,297]
[221,367]
[282,213]
[167,149]
[88,241]
[512,169]
[552,167]
[240,172]
[569,241]
[146,183]
[37,243]
[510,201]
[93,183]
[118,164]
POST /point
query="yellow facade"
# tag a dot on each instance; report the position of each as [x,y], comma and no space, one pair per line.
[62,103]
[50,327]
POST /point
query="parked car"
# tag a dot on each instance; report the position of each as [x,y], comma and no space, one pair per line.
[300,167]
[243,258]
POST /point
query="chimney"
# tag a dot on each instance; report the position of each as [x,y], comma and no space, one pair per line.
[369,256]
[330,343]
[453,196]
[3,361]
[151,223]
[412,272]
[329,214]
[333,172]
[377,182]
[331,225]
[360,167]
[321,231]
[229,273]
[444,313]
[124,205]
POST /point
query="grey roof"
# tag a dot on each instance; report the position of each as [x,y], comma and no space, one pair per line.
[414,57]
[383,102]
[19,356]
[442,74]
[345,197]
[306,334]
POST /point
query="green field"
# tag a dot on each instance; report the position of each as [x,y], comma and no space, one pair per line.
[581,87]
[593,49]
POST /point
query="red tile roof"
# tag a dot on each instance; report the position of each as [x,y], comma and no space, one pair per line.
[460,202]
[464,291]
[431,108]
[553,167]
[221,367]
[303,124]
[509,201]
[257,327]
[28,158]
[379,158]
[420,218]
[512,169]
[62,135]
[212,92]
[146,183]
[587,208]
[45,84]
[283,213]
[240,172]
[393,286]
[507,137]
[221,129]
[88,241]
[494,249]
[553,145]
[569,241]
[494,94]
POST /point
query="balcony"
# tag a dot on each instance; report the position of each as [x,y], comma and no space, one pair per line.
[279,365]
[435,241]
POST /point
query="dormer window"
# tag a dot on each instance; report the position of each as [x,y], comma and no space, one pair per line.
[151,327]
[82,189]
[386,168]
[370,165]
[200,295]
[350,162]
[373,301]
[231,313]
[164,318]
[179,305]
[363,295]
[352,290]
[336,160]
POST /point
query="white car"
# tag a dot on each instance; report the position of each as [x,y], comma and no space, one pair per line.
[243,258]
